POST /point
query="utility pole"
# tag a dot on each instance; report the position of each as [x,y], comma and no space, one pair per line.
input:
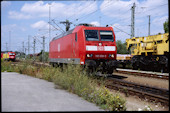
[34,48]
[149,26]
[28,45]
[23,47]
[43,55]
[133,20]
[25,52]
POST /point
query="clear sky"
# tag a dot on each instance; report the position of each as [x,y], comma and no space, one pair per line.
[23,19]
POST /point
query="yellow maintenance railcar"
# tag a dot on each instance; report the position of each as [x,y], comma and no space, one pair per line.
[149,53]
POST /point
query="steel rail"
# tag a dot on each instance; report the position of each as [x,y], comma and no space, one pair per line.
[144,73]
[142,91]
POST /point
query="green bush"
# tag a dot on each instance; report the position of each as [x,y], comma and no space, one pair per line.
[40,57]
[77,82]
[6,66]
[106,100]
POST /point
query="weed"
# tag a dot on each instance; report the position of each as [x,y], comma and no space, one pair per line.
[147,108]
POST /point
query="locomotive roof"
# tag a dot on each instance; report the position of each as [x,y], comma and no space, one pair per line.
[64,34]
[5,51]
[77,27]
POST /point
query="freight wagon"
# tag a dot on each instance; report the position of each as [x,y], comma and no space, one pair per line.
[93,47]
[150,52]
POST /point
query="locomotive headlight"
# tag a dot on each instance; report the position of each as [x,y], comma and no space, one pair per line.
[89,55]
[111,55]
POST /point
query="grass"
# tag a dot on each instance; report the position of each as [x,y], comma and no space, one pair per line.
[74,80]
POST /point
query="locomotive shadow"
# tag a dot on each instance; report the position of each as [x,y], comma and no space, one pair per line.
[110,76]
[116,76]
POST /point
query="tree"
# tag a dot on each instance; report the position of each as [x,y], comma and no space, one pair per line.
[46,54]
[121,47]
[166,26]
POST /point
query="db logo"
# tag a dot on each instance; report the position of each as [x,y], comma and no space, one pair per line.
[100,48]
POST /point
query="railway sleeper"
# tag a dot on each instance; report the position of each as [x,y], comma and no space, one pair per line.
[140,94]
[159,91]
[145,74]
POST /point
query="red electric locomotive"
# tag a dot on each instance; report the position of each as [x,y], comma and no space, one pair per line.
[8,55]
[94,47]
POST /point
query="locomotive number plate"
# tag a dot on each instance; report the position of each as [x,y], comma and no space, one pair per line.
[101,56]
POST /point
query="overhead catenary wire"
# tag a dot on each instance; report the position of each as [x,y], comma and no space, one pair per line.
[82,9]
[121,30]
[140,17]
[58,26]
[117,10]
[152,8]
[123,13]
[142,25]
[89,14]
[138,13]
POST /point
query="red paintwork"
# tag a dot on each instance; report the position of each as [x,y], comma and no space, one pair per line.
[69,48]
[1,55]
[11,56]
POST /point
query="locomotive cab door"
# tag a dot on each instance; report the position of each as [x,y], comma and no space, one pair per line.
[75,45]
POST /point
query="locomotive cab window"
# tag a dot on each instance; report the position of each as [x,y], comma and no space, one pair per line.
[76,37]
[106,36]
[91,35]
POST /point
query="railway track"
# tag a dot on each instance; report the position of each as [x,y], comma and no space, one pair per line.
[144,73]
[153,94]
